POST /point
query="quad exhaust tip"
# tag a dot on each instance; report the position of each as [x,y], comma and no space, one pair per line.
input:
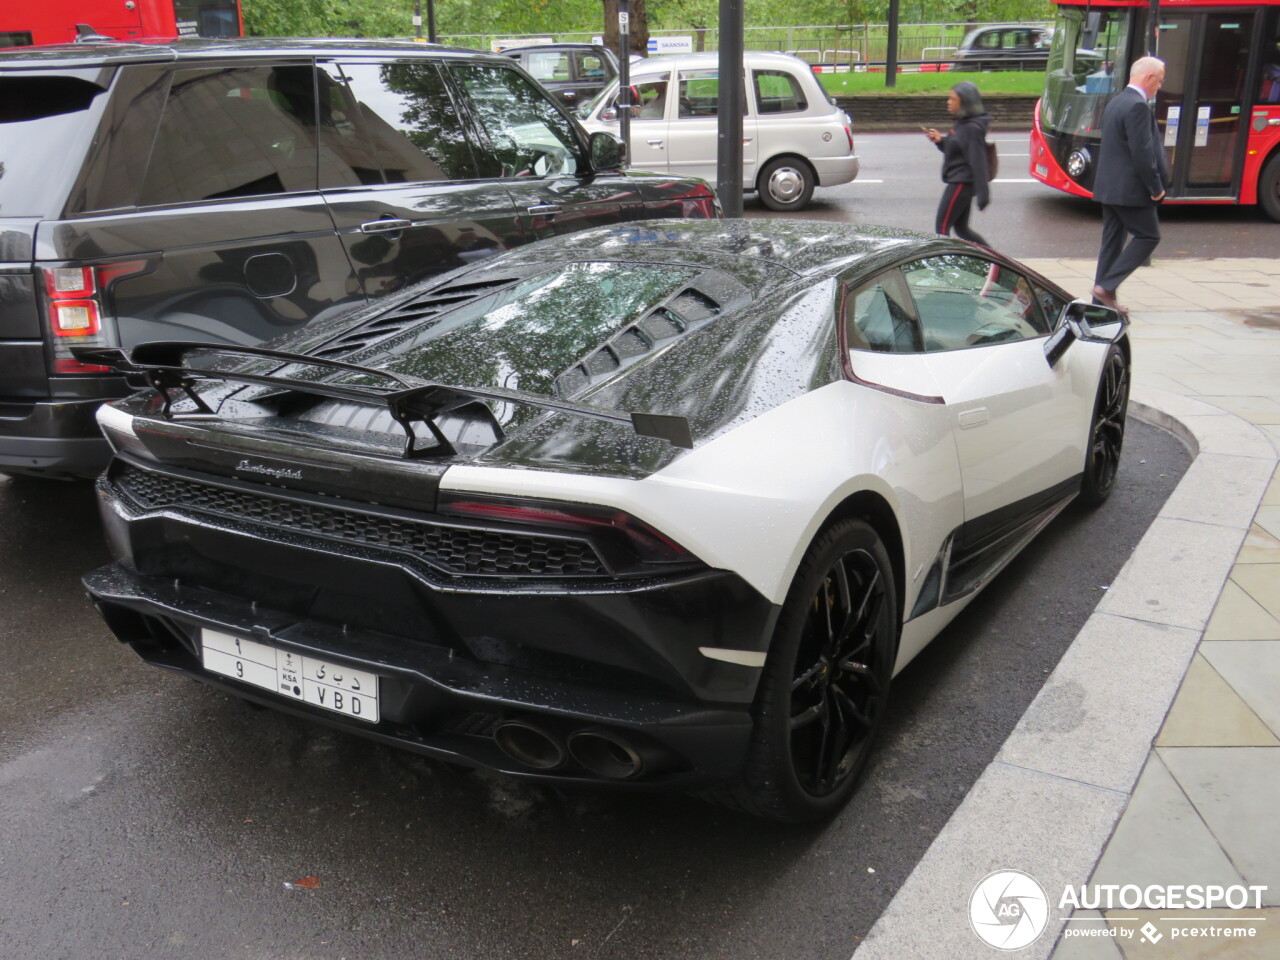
[529,745]
[605,755]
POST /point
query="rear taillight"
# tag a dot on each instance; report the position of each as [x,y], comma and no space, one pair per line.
[628,544]
[848,132]
[75,313]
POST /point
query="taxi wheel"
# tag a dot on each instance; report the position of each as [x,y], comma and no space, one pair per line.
[786,184]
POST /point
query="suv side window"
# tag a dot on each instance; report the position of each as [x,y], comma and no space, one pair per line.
[965,301]
[234,132]
[407,117]
[777,91]
[527,136]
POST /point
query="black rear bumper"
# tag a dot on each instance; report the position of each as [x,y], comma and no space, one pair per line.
[52,438]
[433,701]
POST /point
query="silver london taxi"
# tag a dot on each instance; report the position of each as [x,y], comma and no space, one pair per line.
[794,135]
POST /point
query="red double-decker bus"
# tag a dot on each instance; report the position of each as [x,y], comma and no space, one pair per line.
[1219,109]
[54,21]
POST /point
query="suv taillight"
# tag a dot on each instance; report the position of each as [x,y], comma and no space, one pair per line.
[75,312]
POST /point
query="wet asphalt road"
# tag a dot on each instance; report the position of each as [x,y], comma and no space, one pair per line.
[899,185]
[144,816]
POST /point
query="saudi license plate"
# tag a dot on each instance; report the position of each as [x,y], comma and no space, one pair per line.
[353,693]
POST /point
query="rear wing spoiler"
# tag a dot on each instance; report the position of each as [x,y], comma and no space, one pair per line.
[408,399]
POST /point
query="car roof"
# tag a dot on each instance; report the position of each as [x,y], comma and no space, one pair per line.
[554,46]
[111,53]
[752,251]
[710,61]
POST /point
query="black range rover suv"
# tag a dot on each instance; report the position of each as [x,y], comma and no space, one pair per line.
[234,190]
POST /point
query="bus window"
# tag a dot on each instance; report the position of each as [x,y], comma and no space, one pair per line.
[1269,86]
[1087,64]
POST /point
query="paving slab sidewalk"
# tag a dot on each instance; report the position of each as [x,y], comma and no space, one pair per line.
[1152,754]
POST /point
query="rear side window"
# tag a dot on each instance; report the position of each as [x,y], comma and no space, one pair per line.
[878,317]
[548,65]
[46,123]
[590,67]
[778,92]
[409,119]
[234,132]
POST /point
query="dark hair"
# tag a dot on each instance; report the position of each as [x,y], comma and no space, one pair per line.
[970,99]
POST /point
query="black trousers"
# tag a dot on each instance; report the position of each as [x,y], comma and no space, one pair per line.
[1116,260]
[953,213]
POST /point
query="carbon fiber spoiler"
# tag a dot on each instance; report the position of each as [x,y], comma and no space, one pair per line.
[408,399]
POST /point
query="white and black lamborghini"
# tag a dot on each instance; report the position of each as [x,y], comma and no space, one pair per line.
[662,504]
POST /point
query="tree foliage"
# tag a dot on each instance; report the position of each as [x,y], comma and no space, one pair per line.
[394,18]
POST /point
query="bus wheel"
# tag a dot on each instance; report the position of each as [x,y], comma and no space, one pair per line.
[1269,188]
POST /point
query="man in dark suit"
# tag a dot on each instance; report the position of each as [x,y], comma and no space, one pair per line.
[1131,180]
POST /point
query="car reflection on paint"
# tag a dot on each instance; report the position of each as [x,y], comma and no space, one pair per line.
[661,505]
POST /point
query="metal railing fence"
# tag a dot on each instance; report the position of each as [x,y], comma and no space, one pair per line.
[834,44]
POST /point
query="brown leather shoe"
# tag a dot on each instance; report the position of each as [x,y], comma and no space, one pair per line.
[1108,299]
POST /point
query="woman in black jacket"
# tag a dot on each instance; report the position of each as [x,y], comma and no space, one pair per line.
[964,162]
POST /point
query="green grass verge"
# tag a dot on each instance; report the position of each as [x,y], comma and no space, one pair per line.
[1026,82]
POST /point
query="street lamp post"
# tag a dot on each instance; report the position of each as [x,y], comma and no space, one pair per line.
[729,119]
[624,73]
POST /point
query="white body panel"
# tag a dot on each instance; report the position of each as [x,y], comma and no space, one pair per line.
[1017,419]
[752,499]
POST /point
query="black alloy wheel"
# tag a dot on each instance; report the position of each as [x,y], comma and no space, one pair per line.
[1106,436]
[826,683]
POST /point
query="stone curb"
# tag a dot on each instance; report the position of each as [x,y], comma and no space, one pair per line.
[1050,800]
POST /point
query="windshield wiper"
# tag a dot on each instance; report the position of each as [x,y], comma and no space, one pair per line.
[408,399]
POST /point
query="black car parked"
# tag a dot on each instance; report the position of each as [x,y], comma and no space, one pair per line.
[235,190]
[574,72]
[1010,46]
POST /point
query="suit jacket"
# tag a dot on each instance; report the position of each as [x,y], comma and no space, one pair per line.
[1132,167]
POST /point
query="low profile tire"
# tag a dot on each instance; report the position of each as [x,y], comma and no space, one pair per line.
[825,686]
[1106,434]
[786,184]
[1269,188]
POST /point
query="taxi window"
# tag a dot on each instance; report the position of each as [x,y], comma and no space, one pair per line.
[778,91]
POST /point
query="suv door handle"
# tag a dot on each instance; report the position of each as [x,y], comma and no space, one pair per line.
[654,143]
[385,226]
[545,209]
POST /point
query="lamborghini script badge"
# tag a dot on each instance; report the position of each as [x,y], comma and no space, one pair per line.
[280,473]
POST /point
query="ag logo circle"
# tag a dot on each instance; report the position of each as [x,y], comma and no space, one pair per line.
[1008,910]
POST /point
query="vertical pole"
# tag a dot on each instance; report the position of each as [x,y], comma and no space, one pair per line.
[417,19]
[431,22]
[891,55]
[729,112]
[1153,41]
[624,73]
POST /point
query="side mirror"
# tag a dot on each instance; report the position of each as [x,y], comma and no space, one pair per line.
[1081,320]
[607,151]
